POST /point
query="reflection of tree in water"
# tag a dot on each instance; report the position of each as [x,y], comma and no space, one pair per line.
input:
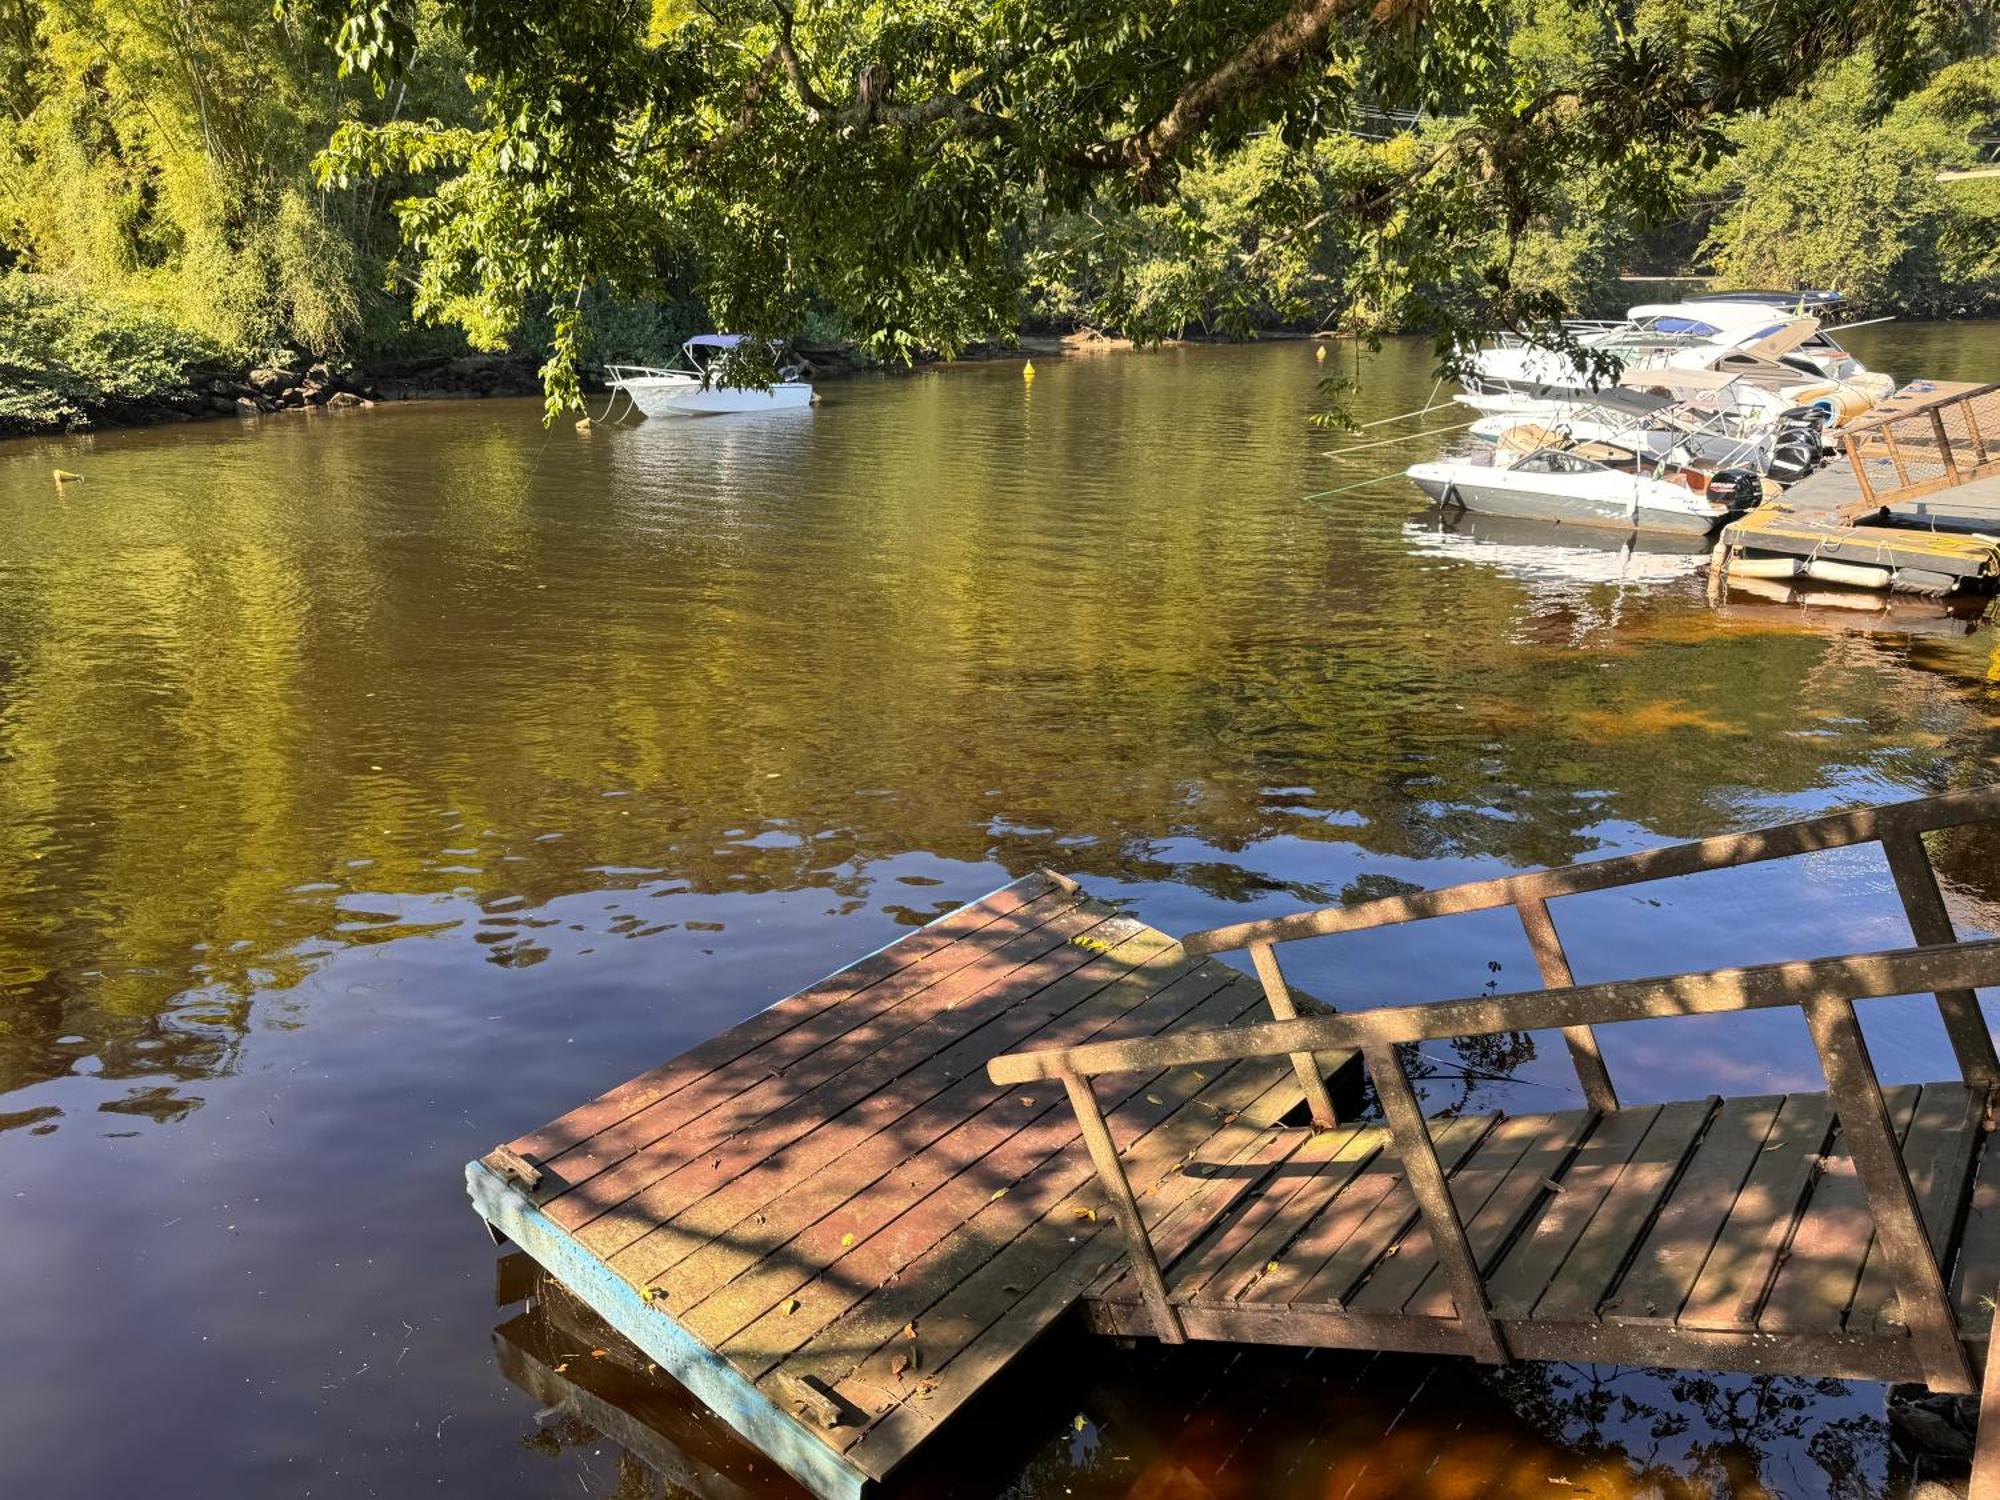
[268,734]
[1694,1434]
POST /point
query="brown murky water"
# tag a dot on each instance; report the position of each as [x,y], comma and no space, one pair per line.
[377,786]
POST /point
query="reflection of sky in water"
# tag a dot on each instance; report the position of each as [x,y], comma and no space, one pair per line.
[379,788]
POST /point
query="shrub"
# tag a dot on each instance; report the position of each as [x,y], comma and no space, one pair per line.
[67,360]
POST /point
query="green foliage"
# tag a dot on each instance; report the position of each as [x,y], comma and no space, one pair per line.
[594,180]
[66,360]
[915,170]
[1826,191]
[158,154]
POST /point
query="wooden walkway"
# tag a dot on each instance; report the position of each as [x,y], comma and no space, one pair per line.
[1731,1232]
[836,1222]
[833,1228]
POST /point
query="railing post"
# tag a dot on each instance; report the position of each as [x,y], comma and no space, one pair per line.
[1930,923]
[1284,1008]
[1556,975]
[1118,1187]
[1412,1137]
[1924,1300]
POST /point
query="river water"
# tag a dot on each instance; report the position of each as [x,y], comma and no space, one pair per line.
[379,785]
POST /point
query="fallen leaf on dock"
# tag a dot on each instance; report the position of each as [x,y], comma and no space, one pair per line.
[846,1240]
[599,1353]
[1087,1213]
[1154,1099]
[1027,1101]
[998,1193]
[793,1306]
[900,1366]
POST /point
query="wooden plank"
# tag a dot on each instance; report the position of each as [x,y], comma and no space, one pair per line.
[1505,1213]
[1977,1273]
[1374,1202]
[792,1236]
[1876,1150]
[924,946]
[1518,1281]
[1718,991]
[931,1244]
[1607,1245]
[1311,1083]
[1822,1263]
[655,1184]
[1839,1356]
[967,1370]
[1232,1247]
[1117,1188]
[1747,1252]
[769,1427]
[1930,922]
[1985,1483]
[1409,1262]
[1429,1183]
[852,1147]
[603,1171]
[845,1312]
[1000,1294]
[1938,1153]
[1680,1238]
[1585,1053]
[1829,831]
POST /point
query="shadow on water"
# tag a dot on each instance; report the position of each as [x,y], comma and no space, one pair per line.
[378,786]
[1080,1417]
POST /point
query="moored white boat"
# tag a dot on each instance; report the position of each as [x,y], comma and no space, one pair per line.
[699,391]
[1589,484]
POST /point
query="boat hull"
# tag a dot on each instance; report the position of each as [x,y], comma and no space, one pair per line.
[665,397]
[1488,494]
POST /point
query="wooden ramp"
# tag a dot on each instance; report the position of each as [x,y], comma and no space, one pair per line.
[1718,1232]
[1845,1233]
[832,1227]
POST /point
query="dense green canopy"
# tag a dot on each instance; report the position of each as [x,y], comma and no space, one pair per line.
[582,178]
[882,158]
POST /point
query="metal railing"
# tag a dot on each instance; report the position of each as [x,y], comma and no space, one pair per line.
[1825,989]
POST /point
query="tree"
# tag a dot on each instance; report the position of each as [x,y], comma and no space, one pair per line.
[877,158]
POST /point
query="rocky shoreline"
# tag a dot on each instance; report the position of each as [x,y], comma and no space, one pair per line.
[298,383]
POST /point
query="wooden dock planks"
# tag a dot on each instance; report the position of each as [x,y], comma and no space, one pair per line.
[829,1212]
[1725,1233]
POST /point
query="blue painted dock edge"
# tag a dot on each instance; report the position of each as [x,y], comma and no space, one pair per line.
[771,1430]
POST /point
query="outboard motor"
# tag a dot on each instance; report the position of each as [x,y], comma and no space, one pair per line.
[1735,489]
[1803,416]
[1792,461]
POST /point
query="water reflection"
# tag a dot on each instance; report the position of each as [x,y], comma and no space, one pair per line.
[377,787]
[1262,1424]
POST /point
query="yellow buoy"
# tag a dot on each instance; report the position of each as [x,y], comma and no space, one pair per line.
[1320,352]
[63,476]
[1028,370]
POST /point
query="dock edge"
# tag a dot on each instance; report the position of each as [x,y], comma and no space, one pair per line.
[710,1378]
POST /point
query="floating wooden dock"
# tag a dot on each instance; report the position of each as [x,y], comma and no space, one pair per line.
[834,1229]
[1820,547]
[1916,506]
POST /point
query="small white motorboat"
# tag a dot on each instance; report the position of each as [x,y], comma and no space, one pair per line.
[1588,484]
[698,389]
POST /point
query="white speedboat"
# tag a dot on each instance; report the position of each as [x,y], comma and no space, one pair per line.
[1589,484]
[1733,427]
[1750,337]
[698,389]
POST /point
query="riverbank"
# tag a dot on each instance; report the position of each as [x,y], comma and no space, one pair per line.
[52,400]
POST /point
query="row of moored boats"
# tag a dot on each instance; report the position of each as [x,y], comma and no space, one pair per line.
[1719,403]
